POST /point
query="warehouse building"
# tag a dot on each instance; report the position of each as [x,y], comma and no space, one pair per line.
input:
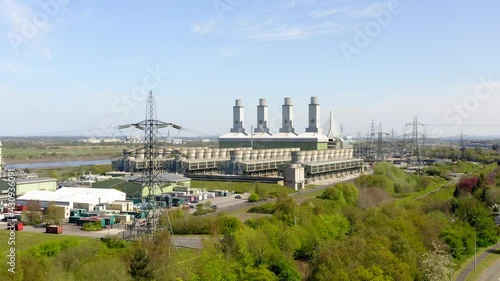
[132,187]
[25,185]
[73,197]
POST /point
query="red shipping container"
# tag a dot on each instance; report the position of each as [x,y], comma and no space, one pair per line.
[21,208]
[54,229]
[19,226]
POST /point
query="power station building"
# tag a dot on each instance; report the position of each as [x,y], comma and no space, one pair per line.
[298,158]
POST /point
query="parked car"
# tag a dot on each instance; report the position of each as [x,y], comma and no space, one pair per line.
[214,207]
[238,197]
[192,206]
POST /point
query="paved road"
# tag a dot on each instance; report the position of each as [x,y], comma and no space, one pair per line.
[470,267]
[492,274]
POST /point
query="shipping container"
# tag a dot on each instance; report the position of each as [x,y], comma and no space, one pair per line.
[55,229]
[19,226]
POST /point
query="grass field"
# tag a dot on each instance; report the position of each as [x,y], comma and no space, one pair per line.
[240,187]
[25,240]
[60,151]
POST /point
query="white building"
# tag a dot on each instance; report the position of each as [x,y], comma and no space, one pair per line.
[73,197]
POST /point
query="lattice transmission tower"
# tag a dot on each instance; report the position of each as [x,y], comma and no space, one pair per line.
[151,178]
[415,143]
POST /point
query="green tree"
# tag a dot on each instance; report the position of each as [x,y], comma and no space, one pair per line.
[139,267]
[33,214]
[54,215]
[286,210]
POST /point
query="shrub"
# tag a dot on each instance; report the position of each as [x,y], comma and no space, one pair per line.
[113,242]
[268,208]
[92,226]
[254,197]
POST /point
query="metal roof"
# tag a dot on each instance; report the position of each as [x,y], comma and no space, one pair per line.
[72,194]
[167,177]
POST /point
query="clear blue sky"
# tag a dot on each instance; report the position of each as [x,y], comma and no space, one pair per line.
[423,58]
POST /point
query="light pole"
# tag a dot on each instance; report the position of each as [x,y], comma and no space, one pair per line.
[475,263]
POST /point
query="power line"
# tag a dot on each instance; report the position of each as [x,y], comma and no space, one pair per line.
[474,125]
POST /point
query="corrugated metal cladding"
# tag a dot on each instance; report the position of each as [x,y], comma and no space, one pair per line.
[76,194]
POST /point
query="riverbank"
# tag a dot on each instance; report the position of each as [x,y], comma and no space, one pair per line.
[50,159]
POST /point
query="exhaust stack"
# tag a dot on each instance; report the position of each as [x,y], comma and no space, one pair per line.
[287,121]
[238,117]
[262,117]
[314,115]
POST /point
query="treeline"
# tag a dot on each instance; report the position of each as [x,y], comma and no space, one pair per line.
[471,154]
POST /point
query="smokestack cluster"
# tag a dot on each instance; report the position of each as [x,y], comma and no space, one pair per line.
[287,122]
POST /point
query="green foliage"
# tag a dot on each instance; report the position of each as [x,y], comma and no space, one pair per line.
[286,210]
[213,265]
[285,270]
[342,194]
[140,268]
[112,242]
[254,197]
[53,214]
[268,208]
[112,269]
[261,191]
[52,248]
[470,210]
[192,225]
[375,181]
[92,226]
[33,214]
[459,237]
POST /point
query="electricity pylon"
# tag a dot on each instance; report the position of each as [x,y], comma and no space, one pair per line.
[151,179]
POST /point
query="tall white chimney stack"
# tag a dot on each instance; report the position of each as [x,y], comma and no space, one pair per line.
[262,117]
[287,121]
[238,117]
[314,115]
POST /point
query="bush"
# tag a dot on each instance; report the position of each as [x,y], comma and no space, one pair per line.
[52,248]
[254,197]
[92,226]
[268,208]
[113,242]
[192,225]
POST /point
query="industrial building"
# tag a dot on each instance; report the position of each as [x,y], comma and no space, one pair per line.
[73,197]
[298,158]
[25,185]
[132,187]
